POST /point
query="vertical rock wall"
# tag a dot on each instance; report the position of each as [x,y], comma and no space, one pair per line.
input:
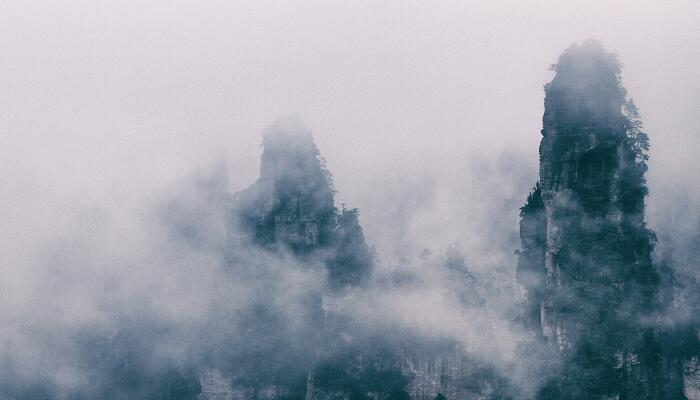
[586,260]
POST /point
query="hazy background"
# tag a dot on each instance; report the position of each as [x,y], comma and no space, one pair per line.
[103,103]
[428,114]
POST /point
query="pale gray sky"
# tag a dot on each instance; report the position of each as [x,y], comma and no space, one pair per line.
[106,102]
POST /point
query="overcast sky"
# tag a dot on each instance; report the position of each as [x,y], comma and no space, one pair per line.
[105,102]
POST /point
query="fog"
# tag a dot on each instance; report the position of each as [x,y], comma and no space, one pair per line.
[120,120]
[113,101]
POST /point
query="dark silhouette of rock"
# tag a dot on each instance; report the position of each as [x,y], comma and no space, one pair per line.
[586,251]
[291,205]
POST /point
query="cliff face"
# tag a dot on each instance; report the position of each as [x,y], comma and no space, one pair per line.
[586,252]
[289,210]
[531,260]
[291,205]
[580,162]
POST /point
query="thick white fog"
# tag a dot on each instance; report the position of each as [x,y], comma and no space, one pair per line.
[427,113]
[105,103]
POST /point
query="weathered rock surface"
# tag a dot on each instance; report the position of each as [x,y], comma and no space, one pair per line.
[290,209]
[586,252]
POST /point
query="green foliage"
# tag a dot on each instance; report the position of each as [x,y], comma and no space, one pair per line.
[352,259]
[635,136]
[534,200]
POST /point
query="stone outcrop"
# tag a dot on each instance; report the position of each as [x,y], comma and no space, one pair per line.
[531,260]
[290,209]
[587,164]
[586,261]
[291,205]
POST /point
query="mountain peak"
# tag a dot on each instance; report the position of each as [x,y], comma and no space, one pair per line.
[586,90]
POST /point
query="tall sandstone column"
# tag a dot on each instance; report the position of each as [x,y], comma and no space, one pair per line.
[586,252]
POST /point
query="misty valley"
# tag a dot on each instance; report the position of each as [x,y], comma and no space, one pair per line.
[277,292]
